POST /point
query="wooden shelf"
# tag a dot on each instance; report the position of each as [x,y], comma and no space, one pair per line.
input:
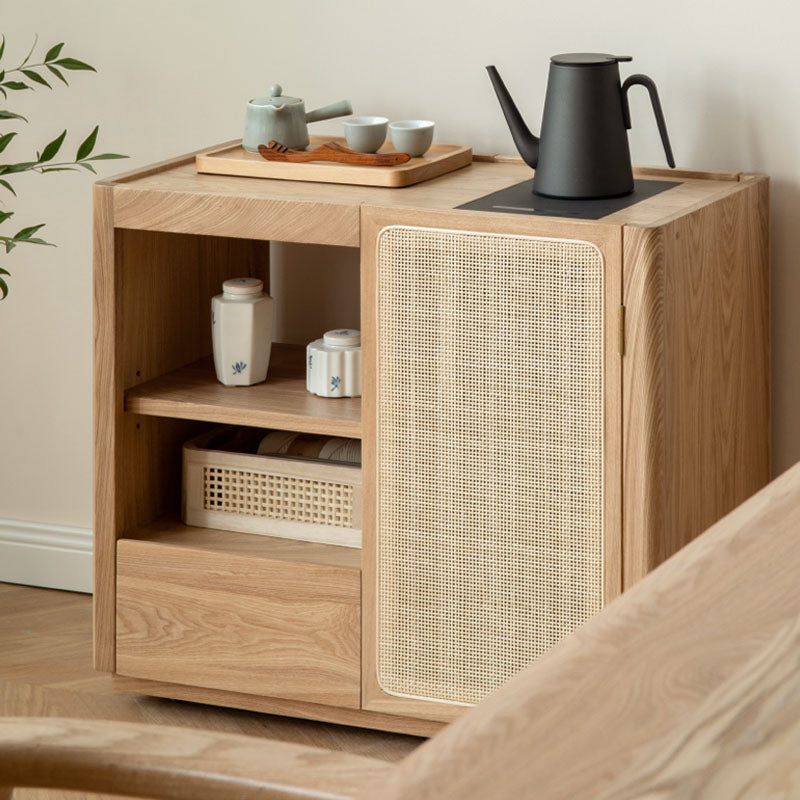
[282,401]
[169,530]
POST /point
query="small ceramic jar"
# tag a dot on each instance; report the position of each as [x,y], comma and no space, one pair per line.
[333,364]
[241,332]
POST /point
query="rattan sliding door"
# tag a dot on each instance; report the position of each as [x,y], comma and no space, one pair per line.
[487,451]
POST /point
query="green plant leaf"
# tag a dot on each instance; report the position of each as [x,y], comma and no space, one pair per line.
[2,46]
[26,233]
[105,156]
[9,169]
[3,287]
[74,64]
[5,94]
[30,52]
[52,148]
[11,115]
[4,215]
[58,74]
[10,245]
[36,77]
[53,52]
[4,140]
[88,166]
[60,169]
[8,186]
[87,145]
[16,86]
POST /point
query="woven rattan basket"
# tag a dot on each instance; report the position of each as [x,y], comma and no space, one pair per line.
[315,501]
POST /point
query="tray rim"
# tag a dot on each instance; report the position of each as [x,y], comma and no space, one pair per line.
[214,162]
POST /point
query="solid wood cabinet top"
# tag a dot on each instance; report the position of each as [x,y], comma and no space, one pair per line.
[173,197]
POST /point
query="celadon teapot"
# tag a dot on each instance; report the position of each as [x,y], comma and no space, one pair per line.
[284,119]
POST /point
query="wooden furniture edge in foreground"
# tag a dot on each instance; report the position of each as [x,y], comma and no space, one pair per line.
[688,685]
[137,759]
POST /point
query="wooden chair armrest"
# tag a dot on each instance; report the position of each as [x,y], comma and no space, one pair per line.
[171,763]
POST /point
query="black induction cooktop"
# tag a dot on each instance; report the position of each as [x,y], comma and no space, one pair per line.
[520,199]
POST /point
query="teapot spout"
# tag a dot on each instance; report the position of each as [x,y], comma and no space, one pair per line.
[526,142]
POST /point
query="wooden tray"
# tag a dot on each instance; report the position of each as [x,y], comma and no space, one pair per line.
[234,160]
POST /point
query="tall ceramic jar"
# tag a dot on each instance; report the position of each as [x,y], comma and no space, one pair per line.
[241,332]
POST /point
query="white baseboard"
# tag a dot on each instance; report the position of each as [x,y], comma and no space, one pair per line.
[52,556]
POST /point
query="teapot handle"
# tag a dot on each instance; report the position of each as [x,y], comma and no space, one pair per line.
[643,80]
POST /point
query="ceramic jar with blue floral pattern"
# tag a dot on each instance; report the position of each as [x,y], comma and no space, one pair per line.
[241,332]
[333,364]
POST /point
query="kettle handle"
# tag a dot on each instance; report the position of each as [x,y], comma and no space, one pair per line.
[643,80]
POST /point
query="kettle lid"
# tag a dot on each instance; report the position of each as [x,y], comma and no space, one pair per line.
[276,98]
[587,59]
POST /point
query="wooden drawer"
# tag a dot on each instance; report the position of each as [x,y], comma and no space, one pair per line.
[249,614]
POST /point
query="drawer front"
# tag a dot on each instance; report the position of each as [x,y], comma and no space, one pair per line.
[259,626]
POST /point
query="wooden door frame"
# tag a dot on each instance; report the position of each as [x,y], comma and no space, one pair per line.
[608,239]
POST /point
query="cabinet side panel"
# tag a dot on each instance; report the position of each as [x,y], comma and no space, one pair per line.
[642,399]
[107,411]
[716,379]
[696,388]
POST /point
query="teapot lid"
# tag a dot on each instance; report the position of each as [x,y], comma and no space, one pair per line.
[587,59]
[276,98]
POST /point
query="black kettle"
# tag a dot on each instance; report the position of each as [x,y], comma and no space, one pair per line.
[583,150]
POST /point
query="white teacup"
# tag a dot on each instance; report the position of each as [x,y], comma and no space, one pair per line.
[412,136]
[365,134]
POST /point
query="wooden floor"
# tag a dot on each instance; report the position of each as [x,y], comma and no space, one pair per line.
[45,670]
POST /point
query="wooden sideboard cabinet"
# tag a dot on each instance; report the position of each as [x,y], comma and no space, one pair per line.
[551,407]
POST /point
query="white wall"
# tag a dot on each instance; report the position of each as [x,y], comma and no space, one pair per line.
[174,76]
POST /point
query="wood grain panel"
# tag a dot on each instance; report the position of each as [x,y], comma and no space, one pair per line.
[261,218]
[688,682]
[696,388]
[176,198]
[193,392]
[166,285]
[169,530]
[107,412]
[259,626]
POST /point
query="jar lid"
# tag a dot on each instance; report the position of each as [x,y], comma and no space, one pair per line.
[243,286]
[342,337]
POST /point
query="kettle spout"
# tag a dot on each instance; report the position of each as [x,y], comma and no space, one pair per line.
[526,142]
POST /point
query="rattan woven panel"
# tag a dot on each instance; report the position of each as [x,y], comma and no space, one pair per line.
[490,457]
[262,494]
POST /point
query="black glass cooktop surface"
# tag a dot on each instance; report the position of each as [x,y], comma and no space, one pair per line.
[520,199]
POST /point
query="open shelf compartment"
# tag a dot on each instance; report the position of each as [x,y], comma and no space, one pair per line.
[282,401]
